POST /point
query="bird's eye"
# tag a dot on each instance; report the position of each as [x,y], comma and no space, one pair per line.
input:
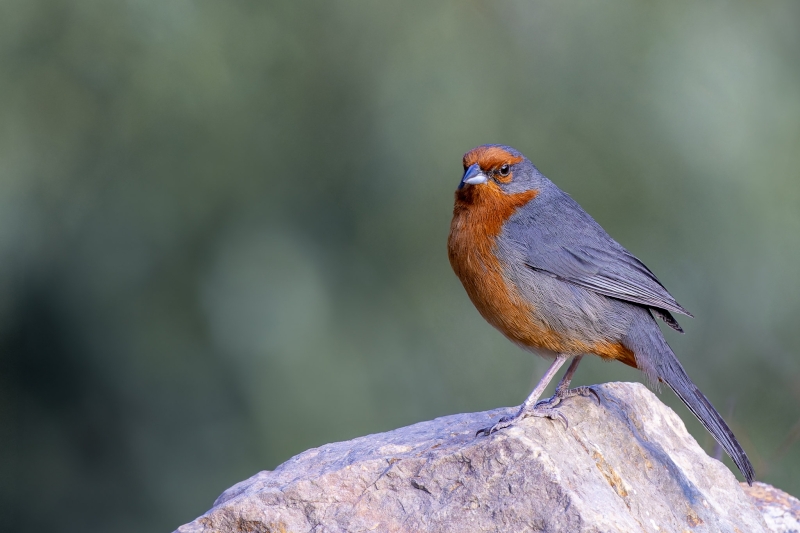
[504,170]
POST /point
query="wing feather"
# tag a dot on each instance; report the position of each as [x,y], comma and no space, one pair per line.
[561,239]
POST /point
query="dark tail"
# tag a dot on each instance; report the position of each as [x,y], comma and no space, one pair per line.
[656,359]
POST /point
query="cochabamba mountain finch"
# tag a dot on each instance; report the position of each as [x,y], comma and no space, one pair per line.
[543,272]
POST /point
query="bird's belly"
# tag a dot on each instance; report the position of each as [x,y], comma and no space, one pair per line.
[497,299]
[533,310]
[576,320]
[501,304]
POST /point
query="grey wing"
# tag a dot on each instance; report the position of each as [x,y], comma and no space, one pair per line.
[560,239]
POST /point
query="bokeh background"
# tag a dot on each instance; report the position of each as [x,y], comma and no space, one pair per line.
[223,225]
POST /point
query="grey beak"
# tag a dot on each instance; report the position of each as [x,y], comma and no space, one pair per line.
[473,176]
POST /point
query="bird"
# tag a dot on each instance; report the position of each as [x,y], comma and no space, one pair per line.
[545,274]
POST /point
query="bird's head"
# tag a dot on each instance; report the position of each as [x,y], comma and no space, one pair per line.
[494,169]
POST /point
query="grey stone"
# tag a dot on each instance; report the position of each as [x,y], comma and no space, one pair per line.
[624,465]
[781,511]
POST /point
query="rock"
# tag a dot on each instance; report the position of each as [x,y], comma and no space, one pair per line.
[624,465]
[781,511]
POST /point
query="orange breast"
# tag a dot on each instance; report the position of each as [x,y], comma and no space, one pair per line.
[478,218]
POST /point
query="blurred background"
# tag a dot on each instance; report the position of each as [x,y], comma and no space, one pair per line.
[223,225]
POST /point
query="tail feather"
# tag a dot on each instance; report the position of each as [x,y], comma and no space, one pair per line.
[699,405]
[657,360]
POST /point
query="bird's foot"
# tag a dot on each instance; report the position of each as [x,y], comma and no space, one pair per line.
[564,393]
[543,409]
[506,421]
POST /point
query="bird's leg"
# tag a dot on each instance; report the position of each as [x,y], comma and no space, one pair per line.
[529,407]
[562,389]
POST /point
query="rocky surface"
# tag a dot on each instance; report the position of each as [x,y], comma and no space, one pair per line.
[781,511]
[624,465]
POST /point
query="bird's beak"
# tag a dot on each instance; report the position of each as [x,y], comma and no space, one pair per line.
[473,176]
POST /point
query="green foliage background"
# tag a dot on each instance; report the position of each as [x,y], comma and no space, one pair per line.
[223,225]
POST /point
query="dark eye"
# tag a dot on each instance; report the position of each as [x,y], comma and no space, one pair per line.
[504,170]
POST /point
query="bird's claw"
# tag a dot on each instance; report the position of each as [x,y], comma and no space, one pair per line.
[503,423]
[507,421]
[584,391]
[552,414]
[544,409]
[563,394]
